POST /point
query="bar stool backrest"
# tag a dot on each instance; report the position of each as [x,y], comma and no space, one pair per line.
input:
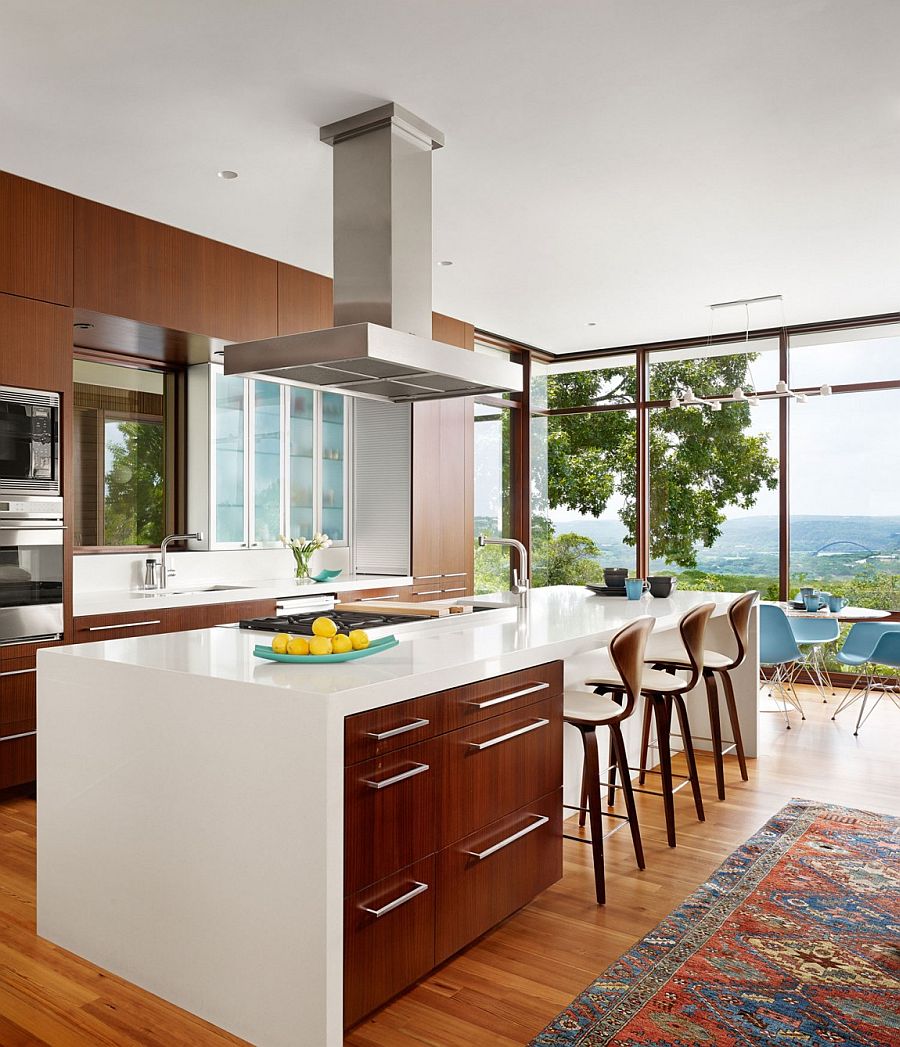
[626,649]
[739,620]
[693,635]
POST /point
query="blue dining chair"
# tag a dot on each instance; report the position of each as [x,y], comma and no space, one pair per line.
[868,645]
[813,634]
[779,651]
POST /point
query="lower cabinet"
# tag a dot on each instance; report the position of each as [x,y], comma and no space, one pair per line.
[18,721]
[452,821]
[94,627]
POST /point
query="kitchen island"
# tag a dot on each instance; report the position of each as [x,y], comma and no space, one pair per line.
[191,825]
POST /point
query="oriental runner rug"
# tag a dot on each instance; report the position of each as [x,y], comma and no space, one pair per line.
[794,940]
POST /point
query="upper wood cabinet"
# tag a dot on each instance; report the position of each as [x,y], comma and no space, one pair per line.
[35,344]
[442,481]
[130,266]
[305,300]
[35,240]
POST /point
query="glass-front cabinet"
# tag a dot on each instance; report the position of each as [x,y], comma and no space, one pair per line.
[264,459]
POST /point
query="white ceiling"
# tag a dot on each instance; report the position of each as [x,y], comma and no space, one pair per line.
[619,161]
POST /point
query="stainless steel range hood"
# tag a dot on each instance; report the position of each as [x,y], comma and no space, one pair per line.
[381,344]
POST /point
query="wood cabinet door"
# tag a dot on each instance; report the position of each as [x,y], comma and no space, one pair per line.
[94,627]
[457,520]
[389,818]
[491,768]
[18,710]
[388,938]
[35,345]
[487,876]
[427,509]
[35,240]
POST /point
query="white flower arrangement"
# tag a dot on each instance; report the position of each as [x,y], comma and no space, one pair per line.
[303,548]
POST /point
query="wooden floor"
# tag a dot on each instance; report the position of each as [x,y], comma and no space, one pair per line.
[504,989]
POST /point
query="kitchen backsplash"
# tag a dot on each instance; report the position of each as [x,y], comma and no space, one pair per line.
[105,572]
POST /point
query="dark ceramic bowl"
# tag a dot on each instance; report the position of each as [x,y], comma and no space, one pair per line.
[615,577]
[662,585]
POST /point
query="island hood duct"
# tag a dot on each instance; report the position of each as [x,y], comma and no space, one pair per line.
[381,345]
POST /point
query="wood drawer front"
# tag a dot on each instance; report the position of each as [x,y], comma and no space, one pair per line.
[18,708]
[395,593]
[380,731]
[385,954]
[520,856]
[18,760]
[90,628]
[500,694]
[490,769]
[389,819]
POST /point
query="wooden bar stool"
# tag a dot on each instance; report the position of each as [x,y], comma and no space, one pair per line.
[662,691]
[670,654]
[587,711]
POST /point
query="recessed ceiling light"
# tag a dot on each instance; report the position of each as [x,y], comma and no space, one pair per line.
[445,262]
[227,174]
[592,323]
[83,326]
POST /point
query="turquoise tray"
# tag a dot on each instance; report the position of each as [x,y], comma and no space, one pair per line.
[324,576]
[385,643]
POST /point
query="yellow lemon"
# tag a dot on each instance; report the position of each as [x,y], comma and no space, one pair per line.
[319,644]
[324,627]
[280,643]
[341,644]
[360,639]
[298,645]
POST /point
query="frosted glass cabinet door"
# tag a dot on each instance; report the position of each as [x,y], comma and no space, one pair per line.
[266,461]
[230,396]
[301,485]
[333,466]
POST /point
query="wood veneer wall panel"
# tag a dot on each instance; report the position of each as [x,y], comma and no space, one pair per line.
[305,300]
[35,240]
[250,307]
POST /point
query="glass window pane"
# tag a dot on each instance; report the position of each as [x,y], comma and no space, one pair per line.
[492,496]
[267,461]
[134,505]
[229,496]
[333,434]
[715,370]
[713,497]
[869,354]
[580,383]
[300,516]
[845,502]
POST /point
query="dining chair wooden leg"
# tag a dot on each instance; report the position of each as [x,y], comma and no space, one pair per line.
[592,773]
[688,743]
[662,711]
[645,740]
[715,730]
[735,724]
[618,744]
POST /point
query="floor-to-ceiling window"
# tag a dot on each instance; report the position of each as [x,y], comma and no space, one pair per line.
[844,462]
[492,495]
[713,468]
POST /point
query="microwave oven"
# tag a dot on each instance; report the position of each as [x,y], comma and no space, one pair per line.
[29,441]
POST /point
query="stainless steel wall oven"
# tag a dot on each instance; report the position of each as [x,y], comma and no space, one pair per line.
[31,568]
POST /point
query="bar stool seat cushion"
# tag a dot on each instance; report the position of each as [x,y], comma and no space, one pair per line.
[602,671]
[587,707]
[671,650]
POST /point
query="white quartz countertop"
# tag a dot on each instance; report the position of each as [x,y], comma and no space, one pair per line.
[559,622]
[197,593]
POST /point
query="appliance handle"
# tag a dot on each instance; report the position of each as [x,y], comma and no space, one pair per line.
[25,525]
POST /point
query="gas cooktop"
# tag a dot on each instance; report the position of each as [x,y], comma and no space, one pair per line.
[344,620]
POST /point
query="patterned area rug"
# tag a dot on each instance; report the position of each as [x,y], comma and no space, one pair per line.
[795,940]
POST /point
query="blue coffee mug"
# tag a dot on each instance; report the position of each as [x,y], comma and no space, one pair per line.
[807,590]
[836,603]
[811,601]
[634,588]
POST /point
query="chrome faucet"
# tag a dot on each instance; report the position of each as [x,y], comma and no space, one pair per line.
[164,571]
[519,586]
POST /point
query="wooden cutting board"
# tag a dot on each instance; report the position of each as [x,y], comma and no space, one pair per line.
[418,610]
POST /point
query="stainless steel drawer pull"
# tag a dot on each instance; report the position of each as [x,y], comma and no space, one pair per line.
[461,589]
[507,737]
[425,578]
[542,819]
[402,900]
[509,697]
[393,596]
[123,625]
[418,768]
[458,574]
[13,737]
[430,592]
[17,672]
[414,725]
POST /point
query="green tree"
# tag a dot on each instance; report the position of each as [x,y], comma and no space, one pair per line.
[134,500]
[700,461]
[564,559]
